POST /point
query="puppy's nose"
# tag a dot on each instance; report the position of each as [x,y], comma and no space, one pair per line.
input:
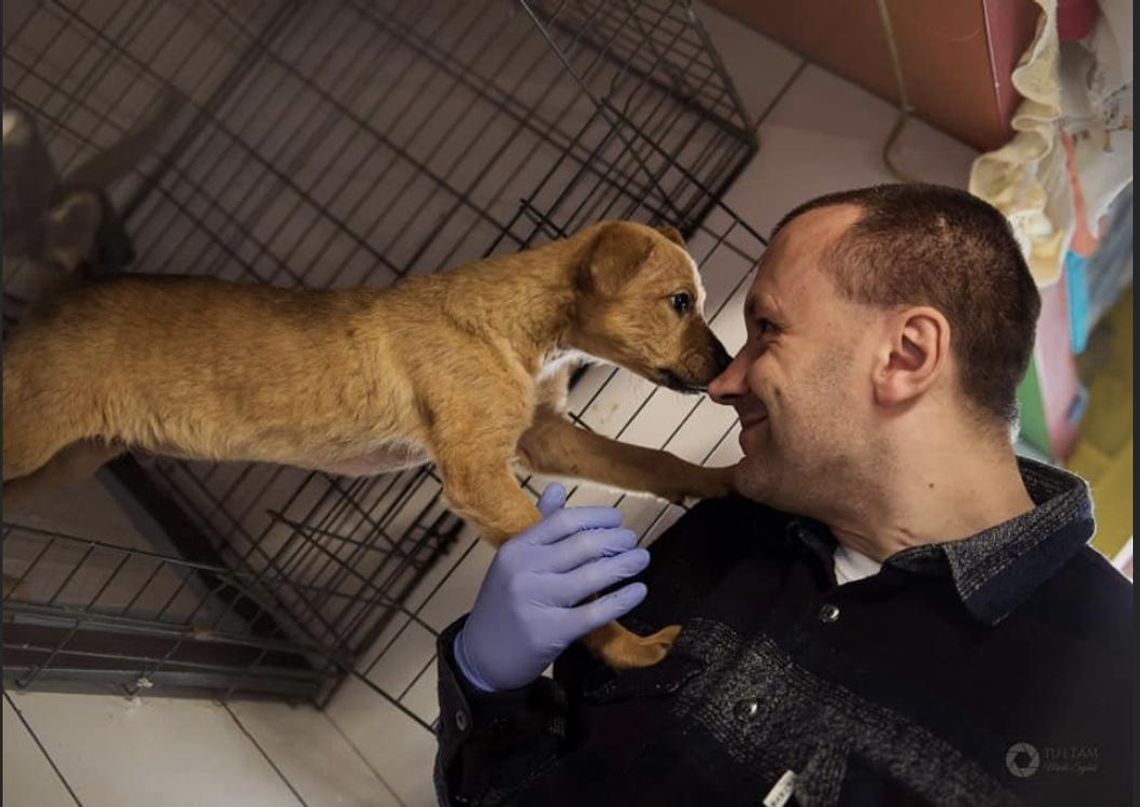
[721,357]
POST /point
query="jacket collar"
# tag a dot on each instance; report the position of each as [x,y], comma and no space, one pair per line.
[996,570]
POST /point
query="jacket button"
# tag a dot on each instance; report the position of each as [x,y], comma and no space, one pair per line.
[747,709]
[828,612]
[461,720]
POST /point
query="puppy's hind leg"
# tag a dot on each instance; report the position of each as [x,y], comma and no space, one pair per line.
[74,463]
[27,448]
[41,418]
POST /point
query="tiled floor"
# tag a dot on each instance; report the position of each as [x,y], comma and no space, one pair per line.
[818,133]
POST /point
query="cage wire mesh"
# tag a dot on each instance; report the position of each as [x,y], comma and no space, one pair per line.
[330,145]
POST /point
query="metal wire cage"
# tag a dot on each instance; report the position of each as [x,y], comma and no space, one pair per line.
[338,144]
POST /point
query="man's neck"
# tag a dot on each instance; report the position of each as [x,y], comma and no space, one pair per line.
[943,493]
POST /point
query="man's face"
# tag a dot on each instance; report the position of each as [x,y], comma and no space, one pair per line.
[801,383]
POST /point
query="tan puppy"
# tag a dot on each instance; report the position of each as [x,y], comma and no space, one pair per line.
[467,368]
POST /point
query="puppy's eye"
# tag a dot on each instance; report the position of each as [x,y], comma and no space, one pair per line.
[681,302]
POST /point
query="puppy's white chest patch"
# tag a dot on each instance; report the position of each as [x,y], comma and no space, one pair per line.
[557,359]
[389,457]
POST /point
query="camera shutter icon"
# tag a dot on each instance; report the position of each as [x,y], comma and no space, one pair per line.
[1022,760]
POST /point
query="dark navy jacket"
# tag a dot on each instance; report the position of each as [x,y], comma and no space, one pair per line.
[992,670]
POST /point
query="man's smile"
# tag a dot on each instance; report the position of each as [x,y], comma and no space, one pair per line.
[750,421]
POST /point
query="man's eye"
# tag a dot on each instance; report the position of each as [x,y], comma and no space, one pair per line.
[681,302]
[764,326]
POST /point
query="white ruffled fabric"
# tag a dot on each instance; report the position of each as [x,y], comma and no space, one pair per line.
[1084,89]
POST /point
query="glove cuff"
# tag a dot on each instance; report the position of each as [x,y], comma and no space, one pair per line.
[466,667]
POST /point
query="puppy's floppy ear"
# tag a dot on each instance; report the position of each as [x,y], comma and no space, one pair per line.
[672,233]
[614,257]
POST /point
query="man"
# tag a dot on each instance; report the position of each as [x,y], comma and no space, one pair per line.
[896,610]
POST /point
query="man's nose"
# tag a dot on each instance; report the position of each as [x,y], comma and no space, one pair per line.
[730,384]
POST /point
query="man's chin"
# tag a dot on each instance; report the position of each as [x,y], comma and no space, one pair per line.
[751,440]
[754,479]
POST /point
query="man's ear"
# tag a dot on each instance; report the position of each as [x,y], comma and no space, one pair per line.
[672,233]
[914,355]
[615,256]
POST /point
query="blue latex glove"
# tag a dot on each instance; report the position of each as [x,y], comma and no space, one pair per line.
[527,611]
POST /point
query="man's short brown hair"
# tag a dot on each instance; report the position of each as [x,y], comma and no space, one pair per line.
[930,245]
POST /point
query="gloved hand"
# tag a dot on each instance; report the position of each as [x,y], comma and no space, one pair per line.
[527,611]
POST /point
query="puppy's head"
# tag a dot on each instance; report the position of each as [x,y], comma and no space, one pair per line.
[640,306]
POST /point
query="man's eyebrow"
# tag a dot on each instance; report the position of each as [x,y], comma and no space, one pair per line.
[757,303]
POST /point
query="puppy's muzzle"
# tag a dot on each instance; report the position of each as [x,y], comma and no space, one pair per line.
[700,369]
[673,381]
[720,360]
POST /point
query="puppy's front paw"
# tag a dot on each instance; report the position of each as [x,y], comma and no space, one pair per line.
[705,483]
[663,640]
[633,651]
[723,482]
